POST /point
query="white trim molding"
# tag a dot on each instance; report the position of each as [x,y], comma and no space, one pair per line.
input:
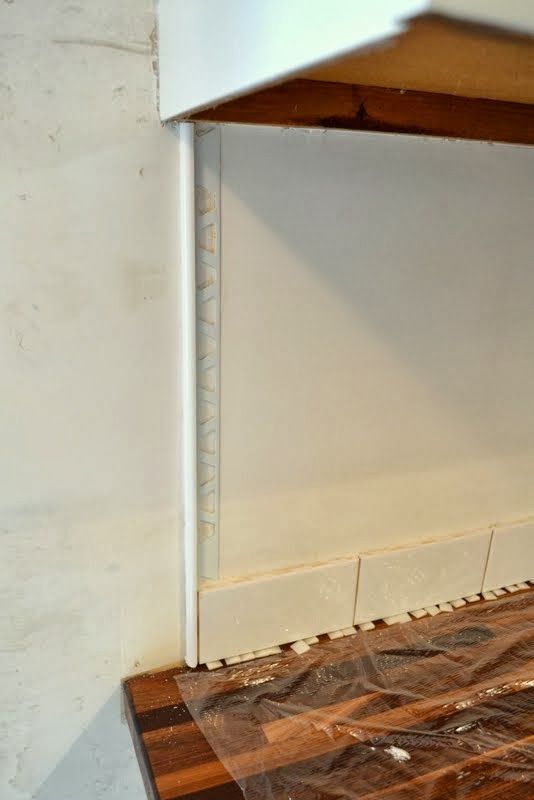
[186,203]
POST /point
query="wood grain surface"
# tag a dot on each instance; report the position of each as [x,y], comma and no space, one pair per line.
[477,661]
[324,104]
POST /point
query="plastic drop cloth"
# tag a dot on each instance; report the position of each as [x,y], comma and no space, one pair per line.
[440,708]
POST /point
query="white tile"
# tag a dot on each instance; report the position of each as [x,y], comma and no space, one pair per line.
[393,581]
[300,647]
[473,598]
[367,626]
[511,558]
[211,665]
[335,634]
[445,607]
[419,613]
[260,612]
[432,610]
[267,651]
[397,619]
[459,603]
[247,657]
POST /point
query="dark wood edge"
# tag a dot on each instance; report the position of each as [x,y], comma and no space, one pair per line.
[139,747]
[324,104]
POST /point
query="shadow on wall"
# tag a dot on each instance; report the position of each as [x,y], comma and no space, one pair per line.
[429,268]
[101,763]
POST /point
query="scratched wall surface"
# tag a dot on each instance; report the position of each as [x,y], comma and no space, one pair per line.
[88,489]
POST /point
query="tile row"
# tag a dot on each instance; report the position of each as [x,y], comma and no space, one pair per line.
[241,616]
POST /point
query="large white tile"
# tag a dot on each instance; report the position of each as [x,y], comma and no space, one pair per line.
[238,616]
[393,581]
[511,556]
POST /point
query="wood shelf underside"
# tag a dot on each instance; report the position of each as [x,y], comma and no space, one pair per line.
[438,78]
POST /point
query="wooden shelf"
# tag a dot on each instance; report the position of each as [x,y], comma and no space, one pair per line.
[312,103]
[438,78]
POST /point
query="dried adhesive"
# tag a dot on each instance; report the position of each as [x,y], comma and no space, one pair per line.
[440,707]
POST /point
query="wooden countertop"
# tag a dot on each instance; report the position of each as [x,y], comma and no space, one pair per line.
[177,762]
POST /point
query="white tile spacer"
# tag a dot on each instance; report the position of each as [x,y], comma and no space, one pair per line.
[459,603]
[335,635]
[419,613]
[473,598]
[247,657]
[397,619]
[211,665]
[513,588]
[349,631]
[312,640]
[445,607]
[367,626]
[300,647]
[499,592]
[267,651]
[432,610]
[523,585]
[489,596]
[232,660]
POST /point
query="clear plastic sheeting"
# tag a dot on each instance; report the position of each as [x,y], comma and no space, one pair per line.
[441,707]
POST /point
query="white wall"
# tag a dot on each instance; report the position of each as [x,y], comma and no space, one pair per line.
[89,402]
[88,358]
[377,361]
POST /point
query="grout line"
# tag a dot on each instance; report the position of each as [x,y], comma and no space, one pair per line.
[487,559]
[357,588]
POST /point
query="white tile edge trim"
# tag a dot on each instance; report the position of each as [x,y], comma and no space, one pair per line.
[208,337]
[445,605]
[188,445]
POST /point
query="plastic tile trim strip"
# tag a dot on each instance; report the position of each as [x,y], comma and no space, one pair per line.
[208,279]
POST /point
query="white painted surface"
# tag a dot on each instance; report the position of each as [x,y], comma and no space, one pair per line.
[188,308]
[210,50]
[511,558]
[377,342]
[394,581]
[89,412]
[274,609]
